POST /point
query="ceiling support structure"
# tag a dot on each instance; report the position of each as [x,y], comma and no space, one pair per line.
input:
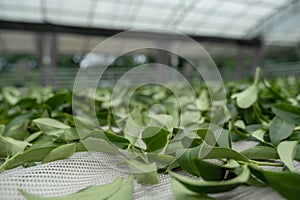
[258,55]
[240,64]
[48,27]
[164,58]
[46,48]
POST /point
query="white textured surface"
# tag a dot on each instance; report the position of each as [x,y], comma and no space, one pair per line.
[85,169]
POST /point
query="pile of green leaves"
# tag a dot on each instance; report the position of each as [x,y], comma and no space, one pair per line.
[38,125]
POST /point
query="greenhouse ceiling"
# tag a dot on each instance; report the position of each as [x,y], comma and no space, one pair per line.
[276,22]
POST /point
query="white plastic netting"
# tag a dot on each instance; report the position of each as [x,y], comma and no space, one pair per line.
[86,169]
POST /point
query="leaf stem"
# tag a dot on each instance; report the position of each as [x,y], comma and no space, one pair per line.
[257,74]
[109,120]
[266,163]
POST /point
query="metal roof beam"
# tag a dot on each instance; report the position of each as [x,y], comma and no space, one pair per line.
[48,27]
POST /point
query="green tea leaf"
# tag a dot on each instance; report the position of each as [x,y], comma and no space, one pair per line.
[14,146]
[51,126]
[208,171]
[280,129]
[286,183]
[287,112]
[213,186]
[31,154]
[144,173]
[61,152]
[259,135]
[50,123]
[33,136]
[119,141]
[208,152]
[110,137]
[286,151]
[246,98]
[89,193]
[260,152]
[125,192]
[17,127]
[185,159]
[155,138]
[181,192]
[100,145]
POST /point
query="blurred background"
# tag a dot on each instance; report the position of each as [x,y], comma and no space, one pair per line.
[43,42]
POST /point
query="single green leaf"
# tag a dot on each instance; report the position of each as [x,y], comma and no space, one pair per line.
[33,136]
[286,151]
[89,193]
[209,152]
[213,186]
[125,192]
[119,141]
[286,183]
[287,112]
[100,145]
[50,123]
[155,138]
[17,127]
[280,129]
[61,152]
[186,157]
[31,154]
[260,152]
[181,192]
[208,171]
[14,146]
[51,126]
[247,97]
[144,173]
[110,137]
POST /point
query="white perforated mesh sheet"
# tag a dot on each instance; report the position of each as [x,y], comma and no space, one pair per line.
[85,169]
